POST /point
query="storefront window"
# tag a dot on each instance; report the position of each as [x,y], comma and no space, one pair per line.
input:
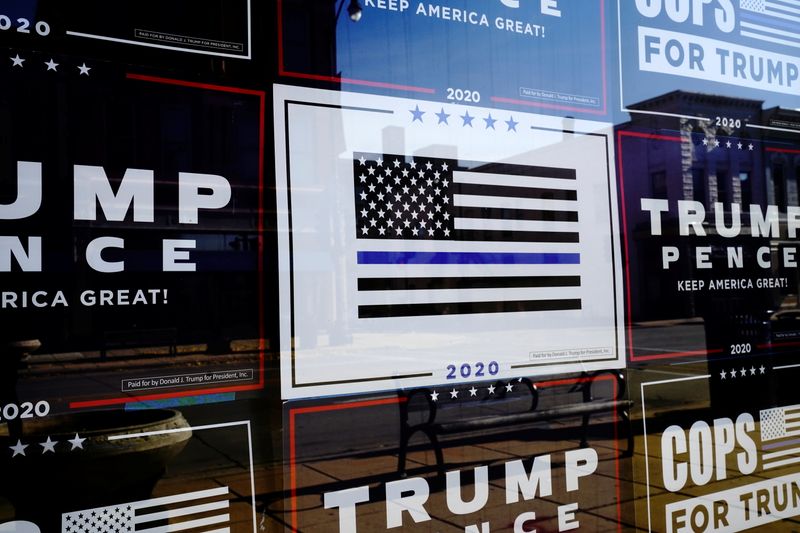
[399,265]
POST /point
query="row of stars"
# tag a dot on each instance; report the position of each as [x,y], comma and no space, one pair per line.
[18,61]
[405,206]
[81,529]
[466,119]
[94,513]
[407,225]
[473,392]
[399,209]
[728,144]
[47,446]
[397,179]
[406,189]
[397,163]
[106,516]
[742,372]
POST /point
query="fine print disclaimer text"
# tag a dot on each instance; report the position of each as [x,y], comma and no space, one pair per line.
[183,380]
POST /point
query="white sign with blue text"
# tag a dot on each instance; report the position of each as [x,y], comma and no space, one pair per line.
[746,48]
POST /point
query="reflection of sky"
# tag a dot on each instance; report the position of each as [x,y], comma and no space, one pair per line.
[428,52]
[640,86]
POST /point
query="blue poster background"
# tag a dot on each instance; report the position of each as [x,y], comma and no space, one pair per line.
[522,57]
[760,34]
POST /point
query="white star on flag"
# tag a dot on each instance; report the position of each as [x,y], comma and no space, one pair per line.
[84,69]
[18,61]
[51,65]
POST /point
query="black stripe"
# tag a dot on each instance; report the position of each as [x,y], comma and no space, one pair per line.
[515,214]
[522,170]
[480,282]
[335,106]
[464,308]
[514,192]
[514,236]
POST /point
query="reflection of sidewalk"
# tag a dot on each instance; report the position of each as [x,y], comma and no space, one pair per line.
[689,395]
[186,356]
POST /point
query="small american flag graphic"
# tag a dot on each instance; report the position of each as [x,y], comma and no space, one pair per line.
[204,510]
[772,21]
[780,436]
[437,236]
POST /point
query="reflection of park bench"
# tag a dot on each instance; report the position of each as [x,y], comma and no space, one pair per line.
[589,405]
[139,338]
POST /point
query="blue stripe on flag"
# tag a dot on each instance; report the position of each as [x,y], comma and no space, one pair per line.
[460,258]
[768,21]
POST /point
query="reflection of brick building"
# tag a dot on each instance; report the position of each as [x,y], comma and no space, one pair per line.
[719,160]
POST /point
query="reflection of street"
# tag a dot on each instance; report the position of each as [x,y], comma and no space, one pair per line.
[669,336]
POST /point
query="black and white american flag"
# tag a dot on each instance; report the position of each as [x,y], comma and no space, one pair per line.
[203,511]
[780,436]
[444,229]
[771,21]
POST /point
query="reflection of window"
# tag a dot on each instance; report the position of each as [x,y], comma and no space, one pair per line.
[699,185]
[659,182]
[744,184]
[723,186]
[779,184]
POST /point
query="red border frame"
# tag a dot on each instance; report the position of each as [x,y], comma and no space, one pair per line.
[261,331]
[371,83]
[621,173]
[293,412]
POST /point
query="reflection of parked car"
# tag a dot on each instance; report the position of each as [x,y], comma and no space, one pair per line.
[785,325]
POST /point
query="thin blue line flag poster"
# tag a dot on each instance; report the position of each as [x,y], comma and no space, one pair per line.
[747,48]
[422,243]
[546,56]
